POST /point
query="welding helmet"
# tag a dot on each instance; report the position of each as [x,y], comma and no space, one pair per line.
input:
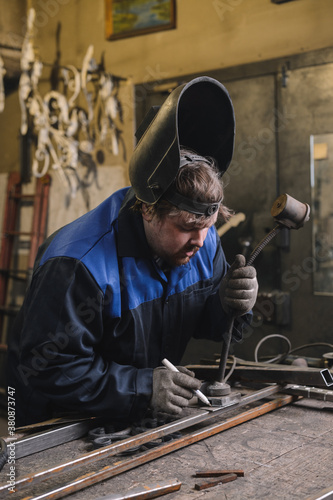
[198,115]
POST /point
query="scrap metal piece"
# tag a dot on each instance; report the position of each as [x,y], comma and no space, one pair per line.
[219,472]
[221,480]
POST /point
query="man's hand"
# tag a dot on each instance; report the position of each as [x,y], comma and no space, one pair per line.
[172,390]
[239,288]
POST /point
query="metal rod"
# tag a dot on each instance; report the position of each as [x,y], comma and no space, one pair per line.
[132,441]
[225,351]
[230,326]
[221,480]
[48,439]
[123,466]
[146,492]
[270,373]
[219,472]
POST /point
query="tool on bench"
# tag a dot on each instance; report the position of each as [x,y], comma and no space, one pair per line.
[221,476]
[288,213]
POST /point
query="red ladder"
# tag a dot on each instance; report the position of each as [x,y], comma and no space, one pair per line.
[14,203]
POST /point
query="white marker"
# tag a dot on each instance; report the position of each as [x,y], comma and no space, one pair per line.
[198,393]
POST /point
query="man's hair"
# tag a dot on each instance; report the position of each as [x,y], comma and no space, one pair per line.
[199,180]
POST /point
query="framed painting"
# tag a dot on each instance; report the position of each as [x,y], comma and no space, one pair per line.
[125,18]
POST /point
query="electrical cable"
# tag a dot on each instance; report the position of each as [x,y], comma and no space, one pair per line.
[232,369]
[289,351]
[280,356]
[315,344]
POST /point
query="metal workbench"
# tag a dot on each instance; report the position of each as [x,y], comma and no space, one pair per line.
[285,454]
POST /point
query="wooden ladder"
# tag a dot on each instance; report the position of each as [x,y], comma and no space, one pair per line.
[15,202]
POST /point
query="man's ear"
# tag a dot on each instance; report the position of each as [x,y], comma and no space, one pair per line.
[146,213]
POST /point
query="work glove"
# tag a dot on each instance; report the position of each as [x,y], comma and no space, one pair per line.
[239,288]
[172,390]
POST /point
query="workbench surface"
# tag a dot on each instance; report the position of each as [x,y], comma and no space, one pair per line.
[285,454]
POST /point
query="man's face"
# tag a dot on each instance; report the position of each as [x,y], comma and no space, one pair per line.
[174,239]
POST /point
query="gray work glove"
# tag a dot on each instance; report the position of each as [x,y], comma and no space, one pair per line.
[239,288]
[172,390]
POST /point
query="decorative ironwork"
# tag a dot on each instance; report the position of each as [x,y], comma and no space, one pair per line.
[68,134]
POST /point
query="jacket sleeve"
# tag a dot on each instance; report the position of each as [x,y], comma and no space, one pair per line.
[214,320]
[60,354]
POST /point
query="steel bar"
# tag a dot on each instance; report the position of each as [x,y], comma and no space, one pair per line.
[219,472]
[225,350]
[48,439]
[148,491]
[309,392]
[221,480]
[123,466]
[285,374]
[270,373]
[52,423]
[152,434]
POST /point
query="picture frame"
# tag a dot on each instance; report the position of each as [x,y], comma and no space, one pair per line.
[128,18]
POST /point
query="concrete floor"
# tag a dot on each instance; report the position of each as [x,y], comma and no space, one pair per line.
[285,454]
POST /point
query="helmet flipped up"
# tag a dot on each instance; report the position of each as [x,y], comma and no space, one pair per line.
[198,115]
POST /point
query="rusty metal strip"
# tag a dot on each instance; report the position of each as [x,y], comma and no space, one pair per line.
[146,492]
[214,482]
[123,466]
[219,472]
[140,439]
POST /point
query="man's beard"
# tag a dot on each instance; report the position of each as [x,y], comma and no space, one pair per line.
[180,259]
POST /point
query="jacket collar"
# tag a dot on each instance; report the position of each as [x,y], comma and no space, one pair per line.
[132,240]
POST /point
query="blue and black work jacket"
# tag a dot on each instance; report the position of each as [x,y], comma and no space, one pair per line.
[100,315]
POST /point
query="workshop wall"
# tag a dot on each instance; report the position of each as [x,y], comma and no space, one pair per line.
[259,50]
[208,36]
